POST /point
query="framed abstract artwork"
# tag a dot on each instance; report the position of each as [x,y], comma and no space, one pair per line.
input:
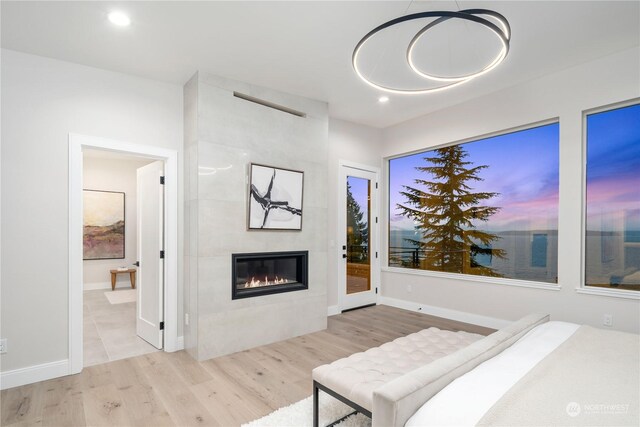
[103,225]
[275,198]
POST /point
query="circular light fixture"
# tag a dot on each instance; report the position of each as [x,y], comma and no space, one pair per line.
[383,99]
[503,32]
[119,18]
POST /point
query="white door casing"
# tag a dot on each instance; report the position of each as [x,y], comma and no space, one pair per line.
[150,218]
[347,301]
[77,143]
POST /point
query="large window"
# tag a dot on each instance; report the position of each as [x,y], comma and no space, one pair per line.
[487,207]
[612,246]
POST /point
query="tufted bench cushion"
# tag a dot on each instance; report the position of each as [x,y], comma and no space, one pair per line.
[357,376]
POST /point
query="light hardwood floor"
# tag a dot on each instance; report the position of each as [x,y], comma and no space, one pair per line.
[159,389]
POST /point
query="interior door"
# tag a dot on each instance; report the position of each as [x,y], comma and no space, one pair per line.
[358,238]
[150,221]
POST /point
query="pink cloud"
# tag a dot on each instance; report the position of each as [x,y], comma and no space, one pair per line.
[536,213]
[613,194]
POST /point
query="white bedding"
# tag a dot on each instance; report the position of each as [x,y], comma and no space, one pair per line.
[468,398]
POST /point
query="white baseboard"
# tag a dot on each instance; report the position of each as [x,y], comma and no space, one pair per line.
[447,313]
[104,285]
[332,310]
[32,374]
[180,343]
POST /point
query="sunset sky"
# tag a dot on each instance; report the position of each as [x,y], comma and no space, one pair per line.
[523,168]
[613,170]
[360,192]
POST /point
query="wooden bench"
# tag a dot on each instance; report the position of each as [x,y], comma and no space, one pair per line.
[132,277]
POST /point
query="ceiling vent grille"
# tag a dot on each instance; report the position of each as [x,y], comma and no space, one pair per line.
[269,104]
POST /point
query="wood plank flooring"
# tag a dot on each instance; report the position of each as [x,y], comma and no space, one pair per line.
[172,389]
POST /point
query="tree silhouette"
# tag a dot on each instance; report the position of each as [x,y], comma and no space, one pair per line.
[357,227]
[444,212]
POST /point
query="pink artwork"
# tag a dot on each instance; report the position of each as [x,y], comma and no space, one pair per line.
[103,236]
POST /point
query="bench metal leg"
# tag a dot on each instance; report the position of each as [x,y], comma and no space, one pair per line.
[315,404]
[316,391]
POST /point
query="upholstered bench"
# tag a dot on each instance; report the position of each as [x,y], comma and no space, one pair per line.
[353,379]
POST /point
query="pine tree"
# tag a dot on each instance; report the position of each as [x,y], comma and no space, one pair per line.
[444,212]
[357,227]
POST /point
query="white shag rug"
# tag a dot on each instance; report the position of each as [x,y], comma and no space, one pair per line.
[119,297]
[300,414]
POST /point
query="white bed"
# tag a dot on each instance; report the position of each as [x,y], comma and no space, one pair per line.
[557,374]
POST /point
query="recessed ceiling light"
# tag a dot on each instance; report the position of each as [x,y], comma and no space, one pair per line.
[383,99]
[119,19]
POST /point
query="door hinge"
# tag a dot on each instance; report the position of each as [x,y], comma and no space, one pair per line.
[376,185]
[161,254]
[162,180]
[376,220]
[162,323]
[376,290]
[376,254]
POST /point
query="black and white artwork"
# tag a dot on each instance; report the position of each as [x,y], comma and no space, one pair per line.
[275,198]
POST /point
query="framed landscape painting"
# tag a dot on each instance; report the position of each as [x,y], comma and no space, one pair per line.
[103,234]
[275,198]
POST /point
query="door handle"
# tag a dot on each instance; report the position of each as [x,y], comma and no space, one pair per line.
[344,255]
[137,263]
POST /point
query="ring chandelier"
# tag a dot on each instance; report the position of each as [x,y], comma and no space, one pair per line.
[502,31]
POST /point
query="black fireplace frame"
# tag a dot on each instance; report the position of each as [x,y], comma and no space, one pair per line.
[302,284]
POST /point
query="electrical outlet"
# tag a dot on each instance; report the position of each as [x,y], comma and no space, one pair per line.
[186,319]
[3,346]
[607,320]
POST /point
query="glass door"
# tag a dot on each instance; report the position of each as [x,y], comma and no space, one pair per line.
[359,260]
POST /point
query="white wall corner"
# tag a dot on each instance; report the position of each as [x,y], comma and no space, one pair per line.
[332,310]
[446,313]
[32,374]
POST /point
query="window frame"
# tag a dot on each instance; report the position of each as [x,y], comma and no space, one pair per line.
[501,281]
[583,288]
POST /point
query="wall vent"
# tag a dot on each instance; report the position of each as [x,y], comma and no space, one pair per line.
[269,104]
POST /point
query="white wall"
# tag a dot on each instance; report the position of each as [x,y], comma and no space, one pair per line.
[120,175]
[565,95]
[355,143]
[43,100]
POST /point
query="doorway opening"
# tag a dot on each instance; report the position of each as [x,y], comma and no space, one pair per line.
[122,250]
[117,210]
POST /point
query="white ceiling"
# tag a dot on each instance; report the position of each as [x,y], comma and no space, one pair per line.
[305,48]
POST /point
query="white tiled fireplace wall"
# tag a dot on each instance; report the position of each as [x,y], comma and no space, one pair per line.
[223,135]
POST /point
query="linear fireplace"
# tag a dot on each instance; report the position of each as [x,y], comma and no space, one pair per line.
[267,273]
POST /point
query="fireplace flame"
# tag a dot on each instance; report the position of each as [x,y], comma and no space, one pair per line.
[259,283]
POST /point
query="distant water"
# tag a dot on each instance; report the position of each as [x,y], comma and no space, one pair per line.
[527,252]
[632,236]
[397,237]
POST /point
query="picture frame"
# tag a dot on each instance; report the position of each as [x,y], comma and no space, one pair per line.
[103,235]
[275,198]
